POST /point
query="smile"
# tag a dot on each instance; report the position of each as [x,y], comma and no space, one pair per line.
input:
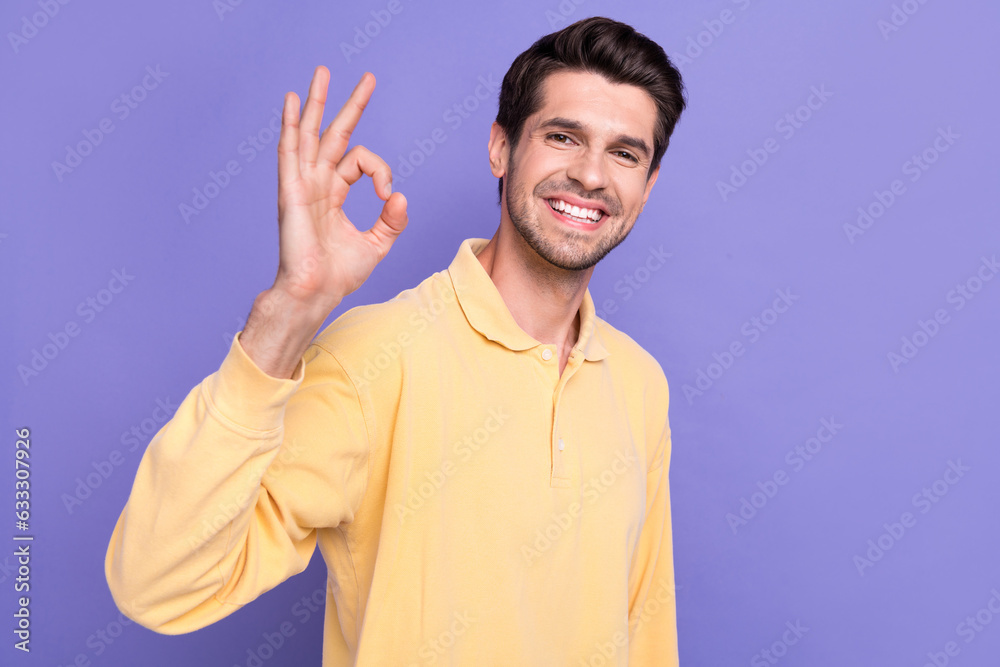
[587,216]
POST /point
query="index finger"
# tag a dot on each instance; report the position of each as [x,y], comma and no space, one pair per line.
[335,138]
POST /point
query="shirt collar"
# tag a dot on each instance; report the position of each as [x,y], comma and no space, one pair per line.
[488,313]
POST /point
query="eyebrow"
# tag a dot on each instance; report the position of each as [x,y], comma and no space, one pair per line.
[567,124]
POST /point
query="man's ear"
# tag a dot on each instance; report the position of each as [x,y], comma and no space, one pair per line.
[649,184]
[499,150]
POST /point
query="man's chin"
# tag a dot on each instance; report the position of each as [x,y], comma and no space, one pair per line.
[562,247]
[567,256]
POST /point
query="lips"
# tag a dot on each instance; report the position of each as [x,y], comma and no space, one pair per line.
[583,215]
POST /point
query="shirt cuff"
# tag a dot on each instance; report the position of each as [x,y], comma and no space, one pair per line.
[246,396]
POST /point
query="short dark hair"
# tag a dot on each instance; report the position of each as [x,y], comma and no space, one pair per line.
[602,46]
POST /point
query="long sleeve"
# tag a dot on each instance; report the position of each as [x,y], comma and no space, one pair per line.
[224,504]
[652,605]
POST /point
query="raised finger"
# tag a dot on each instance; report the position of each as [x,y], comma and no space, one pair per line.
[338,133]
[358,161]
[288,141]
[312,116]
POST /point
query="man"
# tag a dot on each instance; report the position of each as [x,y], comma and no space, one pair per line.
[481,460]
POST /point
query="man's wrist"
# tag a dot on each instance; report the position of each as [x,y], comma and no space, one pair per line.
[278,331]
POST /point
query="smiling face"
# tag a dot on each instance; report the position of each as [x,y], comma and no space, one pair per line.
[577,179]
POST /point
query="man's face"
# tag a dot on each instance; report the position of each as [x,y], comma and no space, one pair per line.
[589,145]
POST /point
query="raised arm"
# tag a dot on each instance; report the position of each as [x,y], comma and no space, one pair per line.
[231,492]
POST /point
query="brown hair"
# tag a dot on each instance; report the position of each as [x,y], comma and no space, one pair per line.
[601,46]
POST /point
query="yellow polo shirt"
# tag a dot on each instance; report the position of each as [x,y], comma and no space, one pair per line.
[473,506]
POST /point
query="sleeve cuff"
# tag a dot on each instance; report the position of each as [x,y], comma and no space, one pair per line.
[246,396]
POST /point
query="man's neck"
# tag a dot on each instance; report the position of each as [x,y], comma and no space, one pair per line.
[543,299]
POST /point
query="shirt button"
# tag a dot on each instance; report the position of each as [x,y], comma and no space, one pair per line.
[546,354]
[562,445]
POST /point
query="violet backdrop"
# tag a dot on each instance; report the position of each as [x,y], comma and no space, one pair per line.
[836,163]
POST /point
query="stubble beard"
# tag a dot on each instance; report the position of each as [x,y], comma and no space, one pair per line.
[569,253]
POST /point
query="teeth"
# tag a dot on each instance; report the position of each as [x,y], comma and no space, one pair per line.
[583,214]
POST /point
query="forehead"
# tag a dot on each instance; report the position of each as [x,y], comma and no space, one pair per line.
[605,107]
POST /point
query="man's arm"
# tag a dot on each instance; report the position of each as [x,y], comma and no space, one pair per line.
[652,605]
[274,444]
[229,495]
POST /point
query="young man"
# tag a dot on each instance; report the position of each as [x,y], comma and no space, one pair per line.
[481,460]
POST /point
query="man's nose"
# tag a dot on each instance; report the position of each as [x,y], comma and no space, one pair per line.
[589,169]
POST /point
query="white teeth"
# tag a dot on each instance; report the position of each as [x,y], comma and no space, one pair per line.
[586,214]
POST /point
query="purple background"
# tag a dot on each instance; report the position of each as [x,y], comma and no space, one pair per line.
[62,236]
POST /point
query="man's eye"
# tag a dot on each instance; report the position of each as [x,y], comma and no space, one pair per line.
[561,138]
[628,156]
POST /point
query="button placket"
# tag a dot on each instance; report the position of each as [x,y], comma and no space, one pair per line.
[562,467]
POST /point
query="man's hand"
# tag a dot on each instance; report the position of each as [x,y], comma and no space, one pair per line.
[323,257]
